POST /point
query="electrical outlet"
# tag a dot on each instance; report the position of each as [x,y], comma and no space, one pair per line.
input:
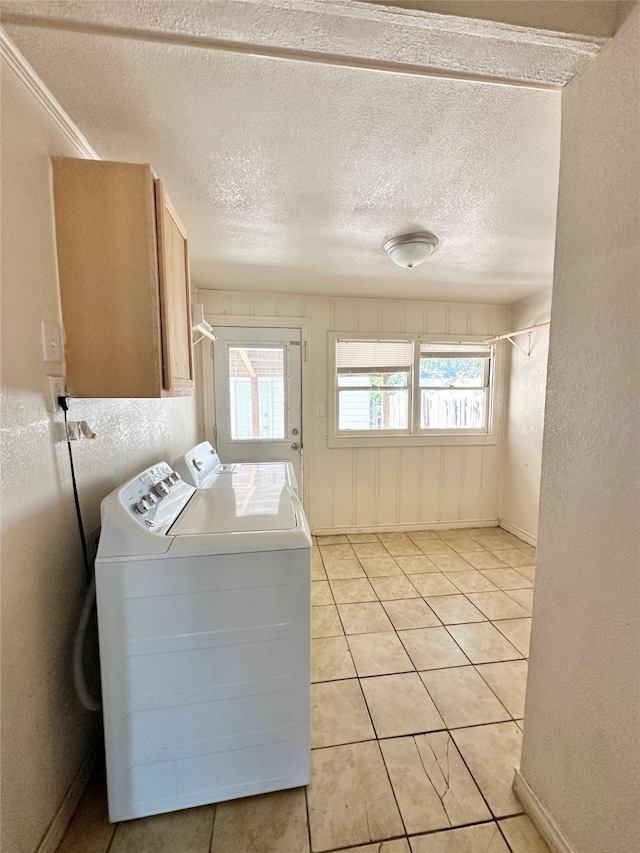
[56,389]
[51,342]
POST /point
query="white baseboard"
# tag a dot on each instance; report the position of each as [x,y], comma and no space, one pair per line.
[540,816]
[400,528]
[59,824]
[521,534]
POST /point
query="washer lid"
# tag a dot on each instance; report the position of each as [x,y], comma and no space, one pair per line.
[236,510]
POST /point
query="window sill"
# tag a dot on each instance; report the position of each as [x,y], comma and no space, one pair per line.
[441,439]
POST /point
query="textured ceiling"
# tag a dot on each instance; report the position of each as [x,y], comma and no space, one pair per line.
[290,174]
[587,17]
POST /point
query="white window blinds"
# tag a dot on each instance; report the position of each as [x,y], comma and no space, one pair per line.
[454,351]
[373,356]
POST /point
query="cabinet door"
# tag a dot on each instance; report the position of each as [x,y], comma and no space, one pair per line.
[175,297]
[108,265]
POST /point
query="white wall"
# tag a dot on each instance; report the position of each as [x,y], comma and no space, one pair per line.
[45,732]
[524,418]
[383,487]
[582,723]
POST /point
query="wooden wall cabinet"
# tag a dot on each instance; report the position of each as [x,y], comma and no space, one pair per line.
[124,281]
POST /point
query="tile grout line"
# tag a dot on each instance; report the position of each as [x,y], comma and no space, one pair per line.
[452,728]
[213,824]
[440,730]
[449,730]
[352,847]
[475,666]
[446,626]
[484,619]
[501,831]
[308,813]
[109,846]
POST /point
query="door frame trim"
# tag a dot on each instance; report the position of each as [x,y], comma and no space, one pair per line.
[208,399]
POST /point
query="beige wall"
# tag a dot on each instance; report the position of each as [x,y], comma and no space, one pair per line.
[391,487]
[524,418]
[45,732]
[582,725]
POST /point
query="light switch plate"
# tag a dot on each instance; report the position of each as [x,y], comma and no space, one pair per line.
[51,341]
[319,410]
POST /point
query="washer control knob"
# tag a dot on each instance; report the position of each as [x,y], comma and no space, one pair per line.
[160,489]
[174,477]
[142,507]
[151,499]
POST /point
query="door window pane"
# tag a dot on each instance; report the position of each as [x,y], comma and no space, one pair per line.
[256,393]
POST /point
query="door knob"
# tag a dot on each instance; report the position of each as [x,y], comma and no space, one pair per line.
[295,446]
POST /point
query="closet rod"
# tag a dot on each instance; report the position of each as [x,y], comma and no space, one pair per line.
[519,332]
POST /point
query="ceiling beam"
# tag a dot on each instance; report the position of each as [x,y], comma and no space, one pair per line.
[346,33]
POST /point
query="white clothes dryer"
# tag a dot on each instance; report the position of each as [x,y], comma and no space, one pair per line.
[202,468]
[203,612]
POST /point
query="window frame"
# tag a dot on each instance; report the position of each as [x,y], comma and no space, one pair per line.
[486,388]
[408,387]
[414,435]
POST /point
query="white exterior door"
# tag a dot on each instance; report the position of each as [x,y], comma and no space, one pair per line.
[257,388]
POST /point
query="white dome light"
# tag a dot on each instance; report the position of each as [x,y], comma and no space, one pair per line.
[410,250]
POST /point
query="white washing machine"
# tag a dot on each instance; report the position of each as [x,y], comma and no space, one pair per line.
[202,468]
[203,612]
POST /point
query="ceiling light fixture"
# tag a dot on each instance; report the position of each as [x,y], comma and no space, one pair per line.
[410,250]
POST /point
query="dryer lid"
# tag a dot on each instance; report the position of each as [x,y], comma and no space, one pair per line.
[236,510]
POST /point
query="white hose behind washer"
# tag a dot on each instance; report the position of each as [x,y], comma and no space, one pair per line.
[90,702]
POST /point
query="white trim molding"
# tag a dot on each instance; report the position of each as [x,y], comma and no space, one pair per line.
[16,61]
[521,534]
[62,818]
[404,440]
[540,816]
[400,528]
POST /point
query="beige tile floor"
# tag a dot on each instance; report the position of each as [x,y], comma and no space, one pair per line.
[419,663]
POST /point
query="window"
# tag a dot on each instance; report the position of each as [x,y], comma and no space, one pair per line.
[256,392]
[412,387]
[454,387]
[373,384]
